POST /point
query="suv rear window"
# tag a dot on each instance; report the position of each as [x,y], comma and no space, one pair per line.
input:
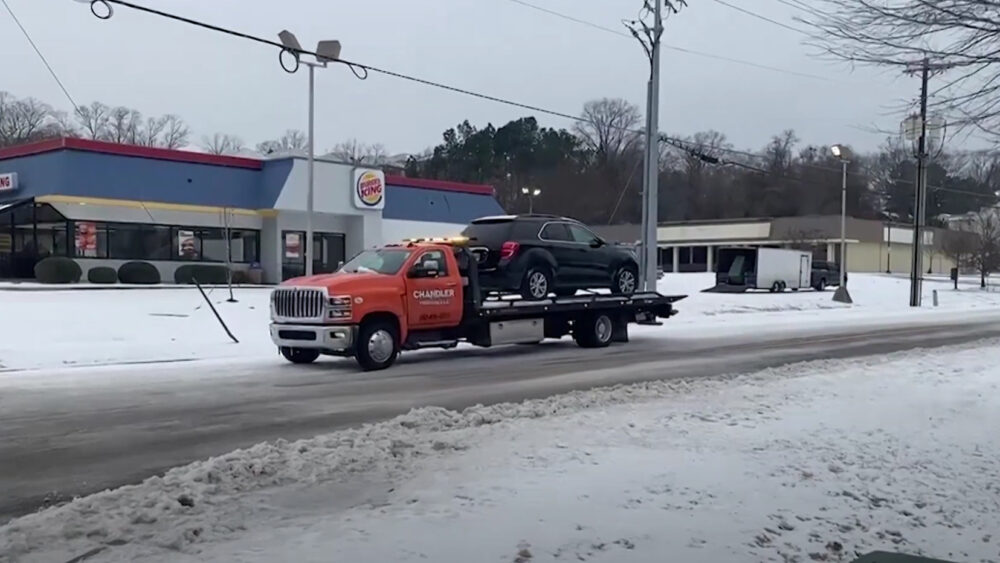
[489,232]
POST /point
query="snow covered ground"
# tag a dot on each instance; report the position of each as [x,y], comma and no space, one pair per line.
[816,461]
[68,328]
[73,328]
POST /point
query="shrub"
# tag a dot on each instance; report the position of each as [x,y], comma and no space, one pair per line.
[138,273]
[102,274]
[58,269]
[204,273]
[241,276]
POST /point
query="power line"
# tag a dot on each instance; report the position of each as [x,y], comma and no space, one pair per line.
[350,64]
[765,18]
[799,5]
[685,50]
[39,53]
[368,68]
[710,159]
[573,19]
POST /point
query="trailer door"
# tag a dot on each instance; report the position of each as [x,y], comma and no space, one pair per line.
[805,270]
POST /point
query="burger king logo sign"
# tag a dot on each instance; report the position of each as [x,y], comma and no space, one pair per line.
[369,189]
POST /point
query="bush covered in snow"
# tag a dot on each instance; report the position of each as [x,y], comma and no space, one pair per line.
[58,269]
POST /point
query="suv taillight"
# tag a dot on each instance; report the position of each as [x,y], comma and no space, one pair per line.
[509,249]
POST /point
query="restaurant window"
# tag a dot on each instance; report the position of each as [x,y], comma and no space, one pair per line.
[213,245]
[89,239]
[187,244]
[136,241]
[244,245]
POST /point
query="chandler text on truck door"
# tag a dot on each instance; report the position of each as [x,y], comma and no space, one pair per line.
[425,293]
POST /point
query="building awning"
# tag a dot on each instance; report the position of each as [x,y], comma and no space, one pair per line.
[13,204]
[754,242]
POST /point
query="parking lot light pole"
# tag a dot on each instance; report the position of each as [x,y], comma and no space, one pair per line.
[326,52]
[844,154]
[532,193]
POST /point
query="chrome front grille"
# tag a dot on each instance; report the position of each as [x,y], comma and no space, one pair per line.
[298,303]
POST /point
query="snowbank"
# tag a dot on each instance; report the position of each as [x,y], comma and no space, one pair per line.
[810,460]
[70,328]
[73,328]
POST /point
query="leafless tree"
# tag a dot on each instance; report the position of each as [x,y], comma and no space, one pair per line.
[24,120]
[959,246]
[222,143]
[984,168]
[175,132]
[960,35]
[292,141]
[356,152]
[124,125]
[803,239]
[981,244]
[608,128]
[149,133]
[93,120]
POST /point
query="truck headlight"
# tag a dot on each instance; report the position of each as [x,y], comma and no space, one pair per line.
[339,307]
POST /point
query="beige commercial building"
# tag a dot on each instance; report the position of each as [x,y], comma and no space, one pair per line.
[872,246]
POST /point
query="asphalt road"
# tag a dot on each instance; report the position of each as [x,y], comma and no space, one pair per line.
[66,439]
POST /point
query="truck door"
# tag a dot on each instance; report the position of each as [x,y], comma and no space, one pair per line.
[433,295]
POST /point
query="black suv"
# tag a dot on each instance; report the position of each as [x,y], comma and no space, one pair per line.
[536,255]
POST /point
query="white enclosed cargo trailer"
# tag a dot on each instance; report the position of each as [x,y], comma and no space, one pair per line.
[773,269]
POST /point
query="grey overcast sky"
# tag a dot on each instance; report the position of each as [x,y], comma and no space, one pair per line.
[224,84]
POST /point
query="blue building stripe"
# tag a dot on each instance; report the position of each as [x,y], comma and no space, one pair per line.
[100,175]
[417,204]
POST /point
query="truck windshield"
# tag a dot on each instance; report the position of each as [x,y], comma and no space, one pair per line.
[382,261]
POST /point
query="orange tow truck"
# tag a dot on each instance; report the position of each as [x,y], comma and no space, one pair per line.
[424,293]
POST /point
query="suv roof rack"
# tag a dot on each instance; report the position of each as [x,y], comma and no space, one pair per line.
[542,216]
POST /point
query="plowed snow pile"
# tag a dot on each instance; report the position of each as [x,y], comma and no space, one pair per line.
[813,461]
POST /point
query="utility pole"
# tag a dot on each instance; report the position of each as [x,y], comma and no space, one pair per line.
[653,152]
[649,37]
[645,195]
[228,233]
[919,192]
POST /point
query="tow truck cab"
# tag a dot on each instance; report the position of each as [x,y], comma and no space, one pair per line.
[425,293]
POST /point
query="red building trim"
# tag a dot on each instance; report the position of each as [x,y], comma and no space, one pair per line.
[444,185]
[213,160]
[129,150]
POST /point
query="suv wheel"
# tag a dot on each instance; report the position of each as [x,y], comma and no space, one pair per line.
[625,282]
[821,284]
[537,283]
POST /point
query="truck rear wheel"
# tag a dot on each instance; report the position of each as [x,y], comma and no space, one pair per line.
[377,346]
[594,331]
[299,355]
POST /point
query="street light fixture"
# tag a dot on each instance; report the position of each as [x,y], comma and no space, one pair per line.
[326,52]
[532,193]
[843,153]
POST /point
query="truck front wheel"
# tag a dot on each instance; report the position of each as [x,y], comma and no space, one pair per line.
[594,331]
[377,346]
[299,355]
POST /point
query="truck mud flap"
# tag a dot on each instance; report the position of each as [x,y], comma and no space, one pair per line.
[726,288]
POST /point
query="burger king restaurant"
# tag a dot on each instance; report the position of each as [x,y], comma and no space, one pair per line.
[104,204]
